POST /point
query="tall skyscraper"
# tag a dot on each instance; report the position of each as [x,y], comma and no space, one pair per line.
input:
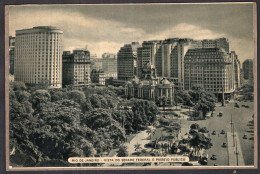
[209,68]
[76,68]
[38,56]
[126,61]
[147,55]
[236,69]
[248,69]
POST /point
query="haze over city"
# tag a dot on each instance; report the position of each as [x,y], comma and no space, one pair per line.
[106,28]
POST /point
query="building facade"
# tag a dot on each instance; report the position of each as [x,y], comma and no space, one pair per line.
[109,63]
[236,69]
[38,56]
[248,69]
[209,68]
[146,54]
[152,89]
[126,61]
[167,56]
[221,43]
[76,68]
[11,54]
[98,77]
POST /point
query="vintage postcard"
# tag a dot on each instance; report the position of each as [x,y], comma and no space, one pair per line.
[131,86]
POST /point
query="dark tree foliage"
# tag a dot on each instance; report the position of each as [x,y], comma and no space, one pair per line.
[205,103]
[122,152]
[47,126]
[195,126]
[200,141]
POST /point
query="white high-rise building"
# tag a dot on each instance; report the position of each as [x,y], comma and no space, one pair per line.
[38,56]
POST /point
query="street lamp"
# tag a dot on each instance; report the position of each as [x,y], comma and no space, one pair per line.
[232,130]
[236,152]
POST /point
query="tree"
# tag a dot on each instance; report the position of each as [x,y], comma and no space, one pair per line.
[200,141]
[18,86]
[95,102]
[203,130]
[184,148]
[40,97]
[77,96]
[122,152]
[195,126]
[174,148]
[138,148]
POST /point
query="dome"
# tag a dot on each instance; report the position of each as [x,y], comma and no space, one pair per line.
[165,82]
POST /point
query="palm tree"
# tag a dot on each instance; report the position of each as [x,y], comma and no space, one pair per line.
[149,131]
[138,148]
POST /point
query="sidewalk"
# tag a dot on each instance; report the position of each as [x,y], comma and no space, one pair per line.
[234,160]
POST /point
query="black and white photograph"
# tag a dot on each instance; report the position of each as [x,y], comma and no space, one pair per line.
[132,85]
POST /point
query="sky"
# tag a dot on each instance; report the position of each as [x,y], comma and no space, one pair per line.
[106,28]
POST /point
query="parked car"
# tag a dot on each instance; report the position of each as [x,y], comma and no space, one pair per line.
[187,164]
[222,132]
[245,137]
[251,138]
[213,157]
[236,105]
[204,161]
[246,106]
[220,114]
[224,144]
[213,132]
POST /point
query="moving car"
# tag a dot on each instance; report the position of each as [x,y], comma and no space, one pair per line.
[224,144]
[213,132]
[220,114]
[222,132]
[245,137]
[236,105]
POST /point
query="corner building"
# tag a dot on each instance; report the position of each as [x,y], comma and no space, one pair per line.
[209,68]
[76,68]
[38,56]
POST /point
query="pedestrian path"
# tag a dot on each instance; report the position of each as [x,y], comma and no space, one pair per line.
[235,159]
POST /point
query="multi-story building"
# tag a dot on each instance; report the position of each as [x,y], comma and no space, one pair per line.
[236,69]
[11,54]
[126,61]
[38,56]
[109,63]
[76,68]
[209,68]
[248,69]
[216,43]
[167,56]
[147,54]
[98,76]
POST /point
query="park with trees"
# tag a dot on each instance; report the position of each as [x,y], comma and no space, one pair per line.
[47,126]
